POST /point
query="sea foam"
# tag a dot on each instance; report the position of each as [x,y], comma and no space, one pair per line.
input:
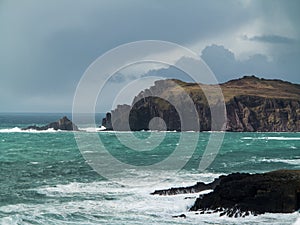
[273,138]
[19,130]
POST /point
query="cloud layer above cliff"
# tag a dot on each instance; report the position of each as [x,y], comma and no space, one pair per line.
[47,45]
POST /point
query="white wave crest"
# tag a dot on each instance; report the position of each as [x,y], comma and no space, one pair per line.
[93,129]
[112,202]
[19,130]
[273,138]
[287,161]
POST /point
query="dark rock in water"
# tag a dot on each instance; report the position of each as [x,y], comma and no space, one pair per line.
[238,194]
[242,194]
[200,186]
[62,124]
[189,197]
[106,122]
[180,216]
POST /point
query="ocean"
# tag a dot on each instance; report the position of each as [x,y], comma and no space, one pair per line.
[46,178]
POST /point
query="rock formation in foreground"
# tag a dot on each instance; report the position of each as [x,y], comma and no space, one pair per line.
[239,194]
[62,124]
[252,104]
[198,187]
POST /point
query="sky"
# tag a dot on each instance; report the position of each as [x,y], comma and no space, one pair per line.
[46,46]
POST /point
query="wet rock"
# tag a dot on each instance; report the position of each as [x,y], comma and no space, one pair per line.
[106,122]
[238,194]
[198,187]
[180,216]
[62,124]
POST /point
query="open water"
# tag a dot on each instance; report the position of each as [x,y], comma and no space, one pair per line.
[44,178]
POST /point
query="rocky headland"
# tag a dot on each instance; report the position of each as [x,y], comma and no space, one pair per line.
[252,105]
[242,194]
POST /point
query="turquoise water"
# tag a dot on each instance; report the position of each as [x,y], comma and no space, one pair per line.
[46,180]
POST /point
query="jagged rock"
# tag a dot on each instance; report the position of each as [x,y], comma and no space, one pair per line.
[117,119]
[254,113]
[200,186]
[238,194]
[62,124]
[106,122]
[242,194]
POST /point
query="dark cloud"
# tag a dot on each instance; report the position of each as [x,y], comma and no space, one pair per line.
[47,45]
[225,65]
[168,73]
[273,39]
[118,78]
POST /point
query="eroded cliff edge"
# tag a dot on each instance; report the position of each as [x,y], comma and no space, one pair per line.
[252,104]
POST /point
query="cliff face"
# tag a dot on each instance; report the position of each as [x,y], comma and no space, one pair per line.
[252,104]
[252,113]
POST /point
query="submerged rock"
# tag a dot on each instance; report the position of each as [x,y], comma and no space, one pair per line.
[62,124]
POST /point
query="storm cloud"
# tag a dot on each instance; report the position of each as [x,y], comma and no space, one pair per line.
[273,39]
[47,45]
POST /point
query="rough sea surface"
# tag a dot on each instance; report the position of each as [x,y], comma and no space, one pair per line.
[44,179]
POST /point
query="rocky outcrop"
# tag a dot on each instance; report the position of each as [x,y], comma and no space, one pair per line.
[198,187]
[62,124]
[241,194]
[106,122]
[252,105]
[274,192]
